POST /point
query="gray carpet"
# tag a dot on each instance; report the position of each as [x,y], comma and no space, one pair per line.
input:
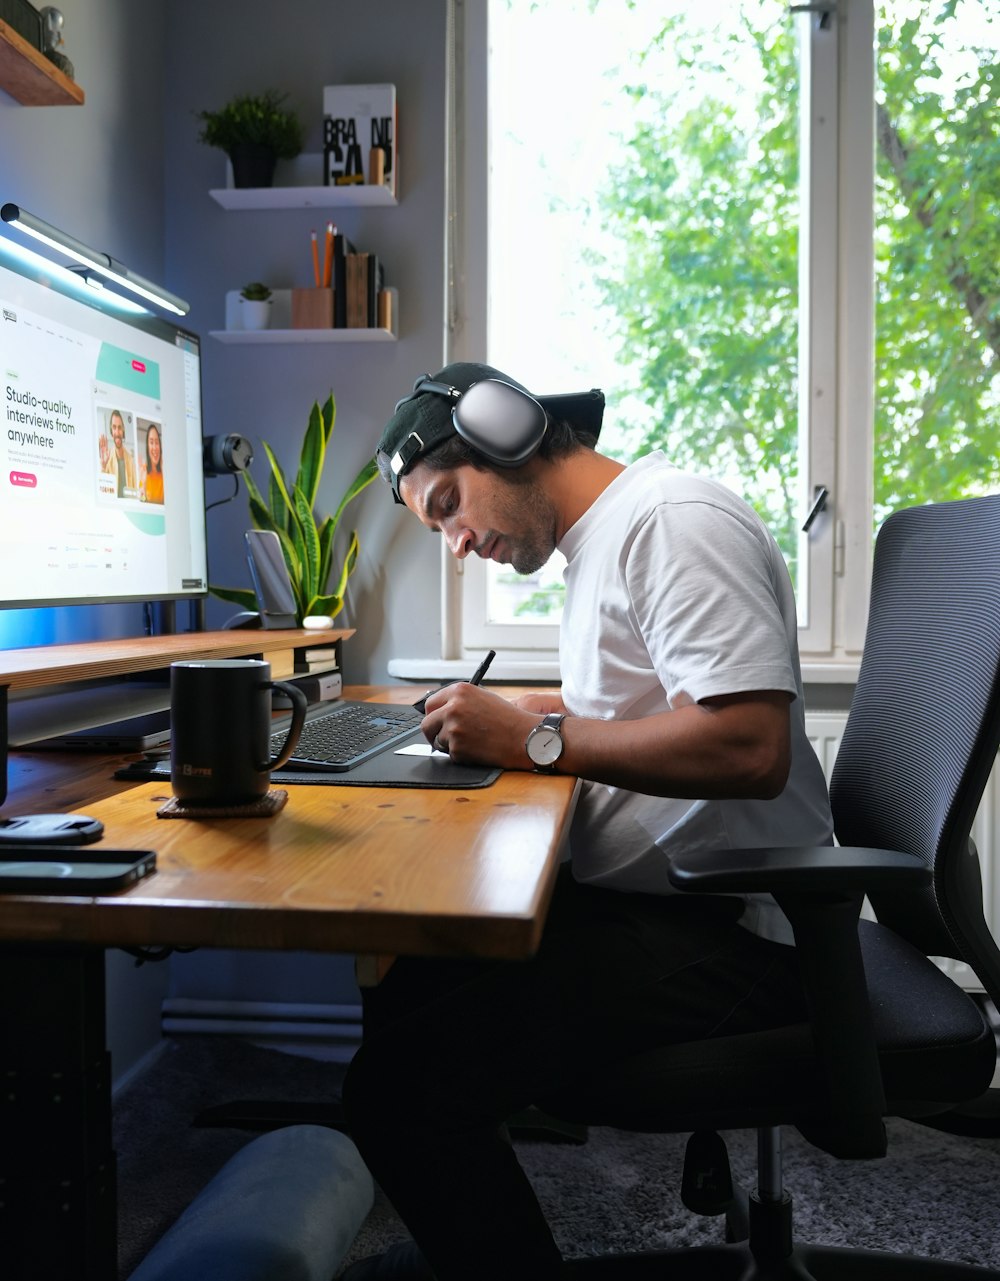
[935,1194]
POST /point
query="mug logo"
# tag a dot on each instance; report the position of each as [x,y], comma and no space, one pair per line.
[203,771]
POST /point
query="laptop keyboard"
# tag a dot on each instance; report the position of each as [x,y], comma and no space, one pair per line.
[348,733]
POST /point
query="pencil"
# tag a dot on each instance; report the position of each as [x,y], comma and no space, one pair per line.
[328,256]
[474,679]
[315,249]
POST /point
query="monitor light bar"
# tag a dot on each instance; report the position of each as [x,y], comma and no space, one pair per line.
[103,263]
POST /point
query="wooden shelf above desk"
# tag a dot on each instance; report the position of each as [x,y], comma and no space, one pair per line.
[30,78]
[90,660]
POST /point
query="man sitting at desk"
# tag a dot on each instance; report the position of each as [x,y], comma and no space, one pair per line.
[681,706]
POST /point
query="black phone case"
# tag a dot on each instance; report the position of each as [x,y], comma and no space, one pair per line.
[56,869]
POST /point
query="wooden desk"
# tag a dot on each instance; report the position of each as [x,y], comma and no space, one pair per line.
[339,869]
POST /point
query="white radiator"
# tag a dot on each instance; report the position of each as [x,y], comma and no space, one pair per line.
[825,730]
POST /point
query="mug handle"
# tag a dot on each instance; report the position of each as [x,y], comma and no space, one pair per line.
[300,706]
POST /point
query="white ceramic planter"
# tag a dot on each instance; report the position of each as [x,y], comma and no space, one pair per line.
[255,314]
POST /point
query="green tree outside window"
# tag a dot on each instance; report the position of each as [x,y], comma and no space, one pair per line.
[705,206]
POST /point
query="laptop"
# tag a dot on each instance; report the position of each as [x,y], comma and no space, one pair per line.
[141,733]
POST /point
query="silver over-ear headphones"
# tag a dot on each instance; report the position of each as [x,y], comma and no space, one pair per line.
[500,421]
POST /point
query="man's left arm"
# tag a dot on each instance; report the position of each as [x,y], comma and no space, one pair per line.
[732,745]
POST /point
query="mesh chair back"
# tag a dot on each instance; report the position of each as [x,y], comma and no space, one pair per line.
[924,725]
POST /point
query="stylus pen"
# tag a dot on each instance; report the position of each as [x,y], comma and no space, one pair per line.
[483,668]
[475,679]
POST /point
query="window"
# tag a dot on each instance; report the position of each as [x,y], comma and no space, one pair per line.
[937,253]
[685,212]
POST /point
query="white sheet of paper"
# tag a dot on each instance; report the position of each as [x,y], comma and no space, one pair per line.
[419,749]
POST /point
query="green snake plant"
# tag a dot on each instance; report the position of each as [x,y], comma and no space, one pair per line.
[306,540]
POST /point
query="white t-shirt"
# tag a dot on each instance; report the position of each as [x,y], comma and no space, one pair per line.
[676,591]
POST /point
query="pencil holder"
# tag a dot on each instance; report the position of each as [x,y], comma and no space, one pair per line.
[312,308]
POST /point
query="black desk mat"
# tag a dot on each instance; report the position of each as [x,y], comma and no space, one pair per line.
[388,769]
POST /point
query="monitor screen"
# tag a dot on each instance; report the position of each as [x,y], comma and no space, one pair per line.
[103,481]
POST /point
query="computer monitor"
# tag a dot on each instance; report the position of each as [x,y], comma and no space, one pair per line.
[103,480]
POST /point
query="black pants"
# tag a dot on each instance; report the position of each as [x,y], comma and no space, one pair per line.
[453,1048]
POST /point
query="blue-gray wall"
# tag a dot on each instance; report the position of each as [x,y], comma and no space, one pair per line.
[217,50]
[126,174]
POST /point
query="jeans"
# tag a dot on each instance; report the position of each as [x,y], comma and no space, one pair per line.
[454,1047]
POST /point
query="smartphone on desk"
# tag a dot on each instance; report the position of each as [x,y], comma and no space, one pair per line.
[271,584]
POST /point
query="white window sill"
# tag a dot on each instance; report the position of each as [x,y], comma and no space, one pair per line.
[520,671]
[524,670]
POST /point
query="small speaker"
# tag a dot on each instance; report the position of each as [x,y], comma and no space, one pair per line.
[223,455]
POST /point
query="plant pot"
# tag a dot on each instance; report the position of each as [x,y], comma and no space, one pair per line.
[254,313]
[253,165]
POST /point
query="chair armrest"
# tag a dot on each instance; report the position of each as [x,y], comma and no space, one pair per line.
[819,869]
[821,889]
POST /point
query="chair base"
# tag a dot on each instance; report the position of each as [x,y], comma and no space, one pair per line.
[769,1254]
[805,1263]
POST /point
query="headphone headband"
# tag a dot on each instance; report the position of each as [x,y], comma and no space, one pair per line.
[424,384]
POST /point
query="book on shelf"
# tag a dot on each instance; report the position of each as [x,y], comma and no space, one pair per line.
[342,248]
[376,282]
[319,687]
[365,278]
[387,310]
[356,119]
[357,291]
[303,665]
[319,653]
[282,663]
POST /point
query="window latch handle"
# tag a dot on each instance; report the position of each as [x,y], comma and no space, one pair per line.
[820,495]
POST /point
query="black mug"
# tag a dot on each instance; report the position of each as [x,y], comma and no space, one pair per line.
[220,730]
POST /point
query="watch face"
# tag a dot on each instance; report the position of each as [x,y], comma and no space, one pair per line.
[545,746]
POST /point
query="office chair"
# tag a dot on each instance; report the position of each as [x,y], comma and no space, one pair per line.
[889,1034]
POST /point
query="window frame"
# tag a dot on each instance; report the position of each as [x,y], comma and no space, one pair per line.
[837,336]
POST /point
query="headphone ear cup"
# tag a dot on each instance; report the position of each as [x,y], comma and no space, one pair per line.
[501,422]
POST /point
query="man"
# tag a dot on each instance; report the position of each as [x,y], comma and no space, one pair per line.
[118,461]
[681,708]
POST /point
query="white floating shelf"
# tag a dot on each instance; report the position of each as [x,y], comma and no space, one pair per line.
[280,329]
[298,186]
[301,197]
[302,335]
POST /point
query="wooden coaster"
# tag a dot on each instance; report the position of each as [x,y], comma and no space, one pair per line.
[265,807]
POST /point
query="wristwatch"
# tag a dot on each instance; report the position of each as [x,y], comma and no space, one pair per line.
[544,744]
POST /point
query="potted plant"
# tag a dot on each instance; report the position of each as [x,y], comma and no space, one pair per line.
[255,131]
[306,540]
[255,305]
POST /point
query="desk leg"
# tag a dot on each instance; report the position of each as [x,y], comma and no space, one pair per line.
[3,743]
[58,1202]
